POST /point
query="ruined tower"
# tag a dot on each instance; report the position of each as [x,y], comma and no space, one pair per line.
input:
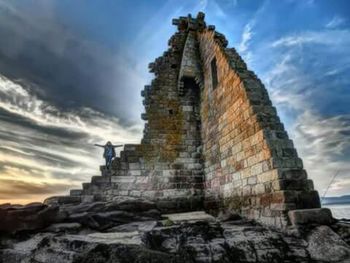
[212,139]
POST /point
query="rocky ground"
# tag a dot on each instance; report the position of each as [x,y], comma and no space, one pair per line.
[133,230]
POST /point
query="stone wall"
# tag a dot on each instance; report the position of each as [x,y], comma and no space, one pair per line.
[251,165]
[167,165]
[212,137]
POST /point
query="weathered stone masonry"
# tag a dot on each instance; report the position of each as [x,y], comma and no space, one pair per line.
[212,138]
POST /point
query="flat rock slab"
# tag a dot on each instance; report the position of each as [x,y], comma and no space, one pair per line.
[189,217]
[61,200]
[63,227]
[126,238]
[134,226]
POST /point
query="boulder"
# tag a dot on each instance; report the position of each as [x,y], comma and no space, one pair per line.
[105,215]
[62,200]
[321,216]
[130,204]
[30,217]
[185,241]
[326,246]
[124,230]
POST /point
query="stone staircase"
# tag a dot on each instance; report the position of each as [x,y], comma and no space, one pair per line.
[128,164]
[176,186]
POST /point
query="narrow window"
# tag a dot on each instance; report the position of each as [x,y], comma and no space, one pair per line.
[214,76]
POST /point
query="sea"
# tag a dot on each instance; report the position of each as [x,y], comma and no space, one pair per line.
[339,211]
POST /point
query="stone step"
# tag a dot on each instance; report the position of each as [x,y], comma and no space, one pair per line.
[130,147]
[76,192]
[87,198]
[86,186]
[100,179]
[123,179]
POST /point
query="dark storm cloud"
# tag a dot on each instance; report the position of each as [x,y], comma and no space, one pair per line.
[42,144]
[64,68]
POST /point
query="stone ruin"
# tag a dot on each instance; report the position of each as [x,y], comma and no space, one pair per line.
[212,139]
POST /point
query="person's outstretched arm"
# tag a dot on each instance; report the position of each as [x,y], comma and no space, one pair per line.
[115,146]
[99,145]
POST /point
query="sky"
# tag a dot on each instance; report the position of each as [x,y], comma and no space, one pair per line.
[71,73]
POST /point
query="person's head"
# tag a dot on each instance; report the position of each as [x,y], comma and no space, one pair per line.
[109,143]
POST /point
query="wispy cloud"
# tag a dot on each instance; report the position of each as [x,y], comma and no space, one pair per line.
[336,21]
[248,33]
[324,143]
[246,37]
[327,37]
[303,72]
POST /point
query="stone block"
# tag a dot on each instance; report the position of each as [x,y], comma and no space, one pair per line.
[134,173]
[87,198]
[289,184]
[293,174]
[149,194]
[321,216]
[187,108]
[122,179]
[100,180]
[75,192]
[252,180]
[125,186]
[308,199]
[256,169]
[268,176]
[135,193]
[282,206]
[142,180]
[134,166]
[259,189]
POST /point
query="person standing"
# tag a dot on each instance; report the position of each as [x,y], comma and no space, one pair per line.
[109,152]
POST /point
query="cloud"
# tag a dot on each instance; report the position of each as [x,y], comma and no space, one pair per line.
[248,33]
[13,189]
[326,37]
[302,85]
[324,144]
[61,92]
[17,100]
[217,10]
[44,146]
[336,21]
[246,37]
[60,64]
